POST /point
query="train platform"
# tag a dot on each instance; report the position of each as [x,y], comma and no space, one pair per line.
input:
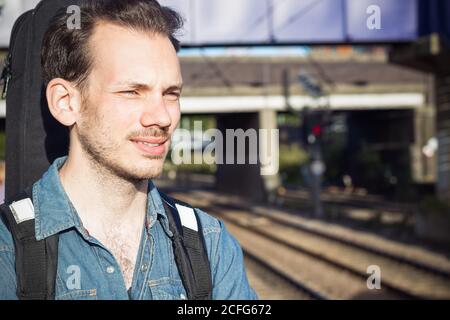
[318,259]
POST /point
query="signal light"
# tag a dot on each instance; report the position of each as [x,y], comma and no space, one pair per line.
[317,130]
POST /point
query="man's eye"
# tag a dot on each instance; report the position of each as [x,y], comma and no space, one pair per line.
[173,95]
[129,92]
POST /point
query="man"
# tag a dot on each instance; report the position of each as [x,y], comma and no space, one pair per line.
[116,84]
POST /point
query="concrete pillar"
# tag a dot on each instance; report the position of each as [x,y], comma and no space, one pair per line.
[240,179]
[246,179]
[271,177]
[424,166]
[431,54]
[443,135]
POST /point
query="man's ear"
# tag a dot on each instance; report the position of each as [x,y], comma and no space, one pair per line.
[64,101]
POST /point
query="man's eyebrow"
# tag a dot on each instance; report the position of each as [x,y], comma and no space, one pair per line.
[178,87]
[131,84]
[138,85]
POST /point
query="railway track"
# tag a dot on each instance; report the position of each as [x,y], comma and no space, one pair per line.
[270,284]
[347,205]
[428,267]
[323,266]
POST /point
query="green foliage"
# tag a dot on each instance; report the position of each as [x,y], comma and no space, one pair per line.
[431,205]
[334,156]
[193,168]
[289,119]
[370,160]
[292,157]
[207,121]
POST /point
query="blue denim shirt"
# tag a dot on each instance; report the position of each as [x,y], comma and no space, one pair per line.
[88,270]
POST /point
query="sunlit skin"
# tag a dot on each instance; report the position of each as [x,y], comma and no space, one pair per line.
[132,94]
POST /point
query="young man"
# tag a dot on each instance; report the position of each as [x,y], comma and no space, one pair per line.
[116,84]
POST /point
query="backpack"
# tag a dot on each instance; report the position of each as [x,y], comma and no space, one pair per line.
[34,139]
[33,134]
[37,261]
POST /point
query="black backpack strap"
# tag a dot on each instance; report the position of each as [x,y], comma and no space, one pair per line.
[189,248]
[36,261]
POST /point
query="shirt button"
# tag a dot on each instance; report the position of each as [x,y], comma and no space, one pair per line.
[183,297]
[144,267]
[110,269]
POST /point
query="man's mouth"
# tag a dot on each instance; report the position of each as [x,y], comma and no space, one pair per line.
[150,146]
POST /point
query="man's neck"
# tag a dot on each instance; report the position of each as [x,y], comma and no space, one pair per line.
[101,198]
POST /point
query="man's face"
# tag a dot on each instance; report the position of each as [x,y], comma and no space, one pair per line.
[131,105]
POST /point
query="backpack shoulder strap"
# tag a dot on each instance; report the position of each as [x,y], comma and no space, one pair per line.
[36,261]
[189,248]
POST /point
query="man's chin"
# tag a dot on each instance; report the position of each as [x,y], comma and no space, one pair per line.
[149,169]
[140,175]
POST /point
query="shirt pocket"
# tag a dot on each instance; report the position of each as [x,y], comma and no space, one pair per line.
[167,289]
[63,293]
[78,295]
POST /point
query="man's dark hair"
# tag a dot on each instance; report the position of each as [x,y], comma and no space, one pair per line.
[65,51]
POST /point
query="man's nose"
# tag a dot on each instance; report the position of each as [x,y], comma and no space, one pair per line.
[155,113]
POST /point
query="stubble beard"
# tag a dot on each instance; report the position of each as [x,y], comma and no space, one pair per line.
[102,152]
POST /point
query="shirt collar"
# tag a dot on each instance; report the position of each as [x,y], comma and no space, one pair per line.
[54,212]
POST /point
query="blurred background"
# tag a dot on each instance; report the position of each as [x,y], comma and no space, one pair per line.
[359,90]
